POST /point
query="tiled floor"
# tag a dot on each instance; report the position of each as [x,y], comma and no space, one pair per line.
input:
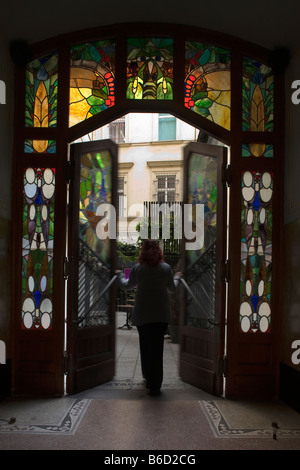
[120,415]
[128,366]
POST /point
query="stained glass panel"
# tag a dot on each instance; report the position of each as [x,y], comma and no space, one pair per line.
[37,248]
[201,262]
[258,96]
[95,189]
[258,150]
[256,252]
[92,80]
[40,146]
[41,92]
[150,68]
[207,82]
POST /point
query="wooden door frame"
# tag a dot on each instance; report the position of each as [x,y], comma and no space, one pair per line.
[234,138]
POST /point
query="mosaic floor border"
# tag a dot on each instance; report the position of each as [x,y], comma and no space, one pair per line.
[129,384]
[222,429]
[67,425]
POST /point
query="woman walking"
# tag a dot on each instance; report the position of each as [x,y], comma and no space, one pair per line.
[151,312]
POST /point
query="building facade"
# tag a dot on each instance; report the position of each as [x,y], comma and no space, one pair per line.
[150,169]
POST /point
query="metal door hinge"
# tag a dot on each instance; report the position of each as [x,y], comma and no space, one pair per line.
[69,171]
[223,366]
[225,270]
[68,267]
[67,363]
[227,175]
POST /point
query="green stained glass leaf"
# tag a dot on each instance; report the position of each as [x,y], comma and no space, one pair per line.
[204,103]
[83,191]
[205,57]
[213,193]
[94,54]
[97,100]
[203,111]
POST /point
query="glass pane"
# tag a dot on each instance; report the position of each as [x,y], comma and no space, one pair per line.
[258,96]
[37,247]
[95,255]
[166,127]
[256,252]
[117,130]
[201,262]
[171,181]
[207,82]
[150,68]
[40,146]
[92,79]
[41,92]
[258,150]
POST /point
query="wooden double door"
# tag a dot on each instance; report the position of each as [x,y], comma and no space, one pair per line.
[92,256]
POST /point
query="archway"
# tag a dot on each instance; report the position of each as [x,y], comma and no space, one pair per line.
[194,88]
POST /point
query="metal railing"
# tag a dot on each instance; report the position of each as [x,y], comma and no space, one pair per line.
[200,284]
[93,286]
[93,307]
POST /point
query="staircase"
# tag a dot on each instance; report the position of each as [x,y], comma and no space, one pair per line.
[94,276]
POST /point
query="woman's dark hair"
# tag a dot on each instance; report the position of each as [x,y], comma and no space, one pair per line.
[150,253]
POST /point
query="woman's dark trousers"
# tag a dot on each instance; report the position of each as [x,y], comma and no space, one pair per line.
[151,338]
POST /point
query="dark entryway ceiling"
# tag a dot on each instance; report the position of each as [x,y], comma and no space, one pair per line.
[264,22]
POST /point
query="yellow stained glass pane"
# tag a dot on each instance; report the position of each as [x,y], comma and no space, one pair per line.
[41,92]
[92,80]
[208,82]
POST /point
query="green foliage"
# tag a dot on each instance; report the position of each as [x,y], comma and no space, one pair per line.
[128,251]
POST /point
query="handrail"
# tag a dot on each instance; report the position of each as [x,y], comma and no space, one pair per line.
[199,305]
[89,291]
[79,320]
[205,253]
[93,254]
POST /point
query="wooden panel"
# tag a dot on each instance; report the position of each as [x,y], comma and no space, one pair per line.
[37,383]
[197,376]
[254,386]
[38,368]
[94,374]
[254,354]
[39,350]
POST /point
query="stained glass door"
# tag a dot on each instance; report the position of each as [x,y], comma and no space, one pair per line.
[203,322]
[92,249]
